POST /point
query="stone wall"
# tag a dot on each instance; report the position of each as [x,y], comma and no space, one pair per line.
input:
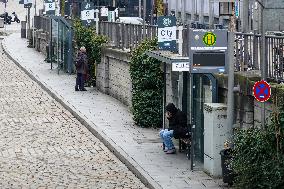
[113,76]
[41,41]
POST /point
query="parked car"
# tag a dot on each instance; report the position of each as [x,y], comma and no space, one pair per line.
[130,20]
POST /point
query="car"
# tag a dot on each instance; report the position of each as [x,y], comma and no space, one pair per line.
[130,20]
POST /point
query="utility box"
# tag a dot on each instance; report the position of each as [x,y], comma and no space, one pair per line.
[1,22]
[216,132]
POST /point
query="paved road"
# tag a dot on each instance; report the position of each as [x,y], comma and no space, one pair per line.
[43,146]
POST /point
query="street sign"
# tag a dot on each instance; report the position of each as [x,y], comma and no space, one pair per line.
[87,13]
[180,66]
[237,9]
[167,33]
[21,2]
[261,91]
[104,11]
[208,51]
[28,3]
[49,6]
[209,39]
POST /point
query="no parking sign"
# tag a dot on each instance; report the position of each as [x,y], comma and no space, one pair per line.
[261,91]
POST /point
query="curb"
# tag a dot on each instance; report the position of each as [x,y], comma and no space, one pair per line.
[130,163]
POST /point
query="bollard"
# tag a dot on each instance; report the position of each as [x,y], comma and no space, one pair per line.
[23,29]
[1,22]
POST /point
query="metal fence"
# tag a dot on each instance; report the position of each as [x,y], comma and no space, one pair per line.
[43,23]
[126,36]
[247,54]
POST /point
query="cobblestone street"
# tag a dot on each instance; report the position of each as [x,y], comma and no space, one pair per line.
[43,146]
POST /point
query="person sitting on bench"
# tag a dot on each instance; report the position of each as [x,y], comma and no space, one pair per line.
[177,127]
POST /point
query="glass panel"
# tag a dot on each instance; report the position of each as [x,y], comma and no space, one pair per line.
[201,94]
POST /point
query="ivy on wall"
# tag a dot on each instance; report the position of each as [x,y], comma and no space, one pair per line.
[147,86]
[87,37]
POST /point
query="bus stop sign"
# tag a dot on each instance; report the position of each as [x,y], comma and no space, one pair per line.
[208,51]
[167,33]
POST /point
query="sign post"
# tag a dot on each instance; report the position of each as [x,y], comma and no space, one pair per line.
[87,13]
[167,33]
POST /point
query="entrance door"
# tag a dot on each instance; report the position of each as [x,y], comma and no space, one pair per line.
[202,93]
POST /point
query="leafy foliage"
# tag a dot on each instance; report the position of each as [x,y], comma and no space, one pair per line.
[87,37]
[258,155]
[147,86]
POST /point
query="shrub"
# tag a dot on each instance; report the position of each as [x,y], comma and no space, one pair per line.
[258,155]
[147,86]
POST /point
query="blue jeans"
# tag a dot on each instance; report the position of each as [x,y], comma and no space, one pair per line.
[166,135]
[80,81]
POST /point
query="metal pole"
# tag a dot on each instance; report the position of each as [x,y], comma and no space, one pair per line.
[29,22]
[230,103]
[164,93]
[245,16]
[144,19]
[263,62]
[201,14]
[97,20]
[152,11]
[193,11]
[211,14]
[140,15]
[113,3]
[183,11]
[35,7]
[176,11]
[230,108]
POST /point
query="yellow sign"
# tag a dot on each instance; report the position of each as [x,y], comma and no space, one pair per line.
[209,39]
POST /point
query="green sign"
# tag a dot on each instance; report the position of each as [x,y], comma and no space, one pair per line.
[209,39]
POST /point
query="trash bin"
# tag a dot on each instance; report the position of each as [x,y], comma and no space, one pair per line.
[227,172]
[23,29]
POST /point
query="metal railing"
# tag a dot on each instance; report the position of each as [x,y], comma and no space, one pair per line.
[41,22]
[247,54]
[126,36]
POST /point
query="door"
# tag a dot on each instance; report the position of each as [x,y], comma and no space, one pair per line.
[203,90]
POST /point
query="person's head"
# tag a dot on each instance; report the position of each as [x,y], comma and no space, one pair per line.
[171,110]
[83,49]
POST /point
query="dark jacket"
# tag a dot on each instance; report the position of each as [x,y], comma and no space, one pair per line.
[81,63]
[178,123]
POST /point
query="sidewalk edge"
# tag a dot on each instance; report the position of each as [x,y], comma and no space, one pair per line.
[130,163]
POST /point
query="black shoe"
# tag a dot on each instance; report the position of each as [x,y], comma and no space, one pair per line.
[83,89]
[76,89]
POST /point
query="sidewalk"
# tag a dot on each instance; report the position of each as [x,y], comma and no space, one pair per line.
[111,121]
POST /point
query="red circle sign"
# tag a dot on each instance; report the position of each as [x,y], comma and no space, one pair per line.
[261,91]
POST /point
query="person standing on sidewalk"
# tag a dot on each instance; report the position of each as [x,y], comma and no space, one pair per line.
[177,127]
[81,64]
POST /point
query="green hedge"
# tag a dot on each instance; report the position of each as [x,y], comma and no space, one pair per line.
[258,155]
[147,86]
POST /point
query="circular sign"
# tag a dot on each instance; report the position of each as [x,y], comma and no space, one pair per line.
[261,91]
[209,39]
